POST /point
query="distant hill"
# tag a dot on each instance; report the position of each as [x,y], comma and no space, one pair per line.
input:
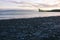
[55,10]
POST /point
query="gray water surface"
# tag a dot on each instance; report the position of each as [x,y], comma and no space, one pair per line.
[12,14]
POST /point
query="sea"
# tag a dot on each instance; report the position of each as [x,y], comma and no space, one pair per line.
[15,14]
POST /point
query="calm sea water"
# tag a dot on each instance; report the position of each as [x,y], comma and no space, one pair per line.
[11,14]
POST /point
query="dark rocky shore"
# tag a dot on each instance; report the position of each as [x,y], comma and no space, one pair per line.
[47,28]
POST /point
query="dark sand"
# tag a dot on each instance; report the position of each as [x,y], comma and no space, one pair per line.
[47,28]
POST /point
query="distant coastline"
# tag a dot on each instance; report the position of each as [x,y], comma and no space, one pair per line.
[54,10]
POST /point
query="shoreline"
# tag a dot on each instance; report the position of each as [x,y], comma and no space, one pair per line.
[29,15]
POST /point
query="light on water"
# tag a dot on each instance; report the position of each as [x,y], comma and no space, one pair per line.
[12,14]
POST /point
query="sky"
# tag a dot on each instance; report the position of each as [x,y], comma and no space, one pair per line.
[27,4]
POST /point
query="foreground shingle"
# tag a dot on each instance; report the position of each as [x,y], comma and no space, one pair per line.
[47,28]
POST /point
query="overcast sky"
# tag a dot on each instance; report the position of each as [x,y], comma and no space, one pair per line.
[8,3]
[36,1]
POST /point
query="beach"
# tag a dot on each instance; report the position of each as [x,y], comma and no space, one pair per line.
[16,25]
[45,28]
